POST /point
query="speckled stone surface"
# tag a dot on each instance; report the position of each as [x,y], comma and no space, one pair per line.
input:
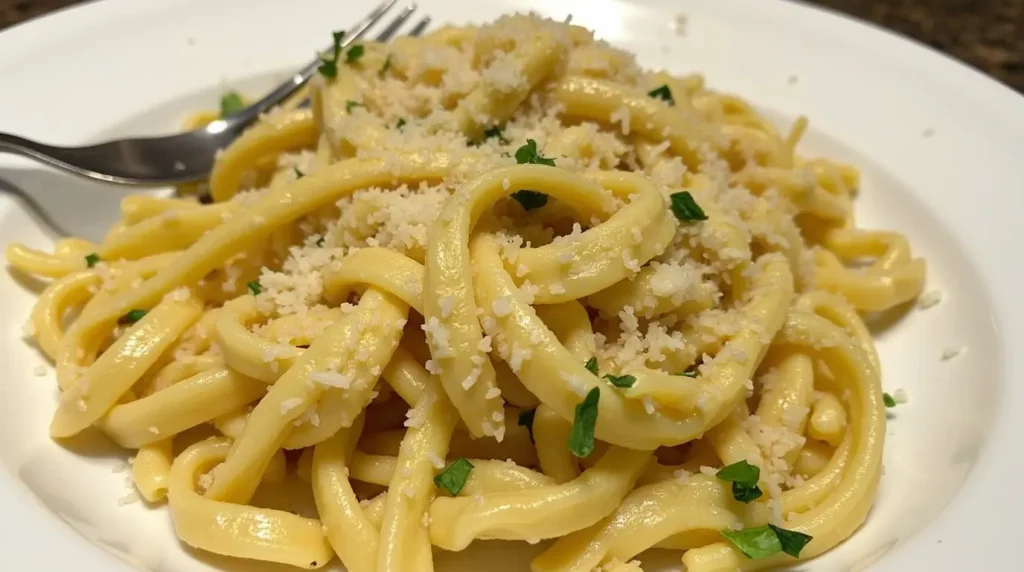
[988,34]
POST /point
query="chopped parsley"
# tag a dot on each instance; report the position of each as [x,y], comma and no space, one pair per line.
[329,68]
[401,123]
[320,242]
[624,381]
[663,93]
[387,65]
[528,155]
[743,477]
[350,105]
[581,437]
[768,540]
[526,420]
[685,208]
[499,133]
[132,316]
[231,103]
[354,53]
[92,259]
[687,373]
[454,476]
[255,287]
[298,173]
[530,200]
[591,365]
[888,400]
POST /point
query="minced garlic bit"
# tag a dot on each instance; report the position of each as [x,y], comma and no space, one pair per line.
[929,299]
[952,352]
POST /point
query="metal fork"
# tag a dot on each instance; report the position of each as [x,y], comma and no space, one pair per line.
[185,157]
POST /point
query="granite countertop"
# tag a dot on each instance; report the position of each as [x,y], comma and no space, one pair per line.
[988,34]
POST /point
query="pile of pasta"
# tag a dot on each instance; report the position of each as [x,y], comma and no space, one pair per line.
[497,282]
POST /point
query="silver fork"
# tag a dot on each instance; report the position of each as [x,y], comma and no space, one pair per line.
[186,157]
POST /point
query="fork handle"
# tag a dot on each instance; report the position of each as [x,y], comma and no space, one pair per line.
[34,150]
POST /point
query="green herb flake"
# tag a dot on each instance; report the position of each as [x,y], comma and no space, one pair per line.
[581,437]
[685,208]
[528,155]
[454,476]
[255,287]
[401,123]
[755,543]
[387,66]
[888,400]
[624,381]
[743,477]
[526,420]
[768,540]
[354,53]
[591,365]
[329,67]
[350,105]
[500,134]
[231,103]
[92,259]
[132,316]
[792,541]
[663,93]
[298,173]
[320,242]
[530,200]
[687,373]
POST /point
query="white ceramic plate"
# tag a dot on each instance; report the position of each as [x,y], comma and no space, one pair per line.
[939,144]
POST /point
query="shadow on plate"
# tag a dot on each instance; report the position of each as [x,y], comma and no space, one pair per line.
[64,205]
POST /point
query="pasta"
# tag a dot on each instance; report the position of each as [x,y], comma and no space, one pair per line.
[497,282]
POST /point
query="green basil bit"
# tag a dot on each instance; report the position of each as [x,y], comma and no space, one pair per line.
[755,543]
[685,208]
[624,381]
[528,155]
[454,476]
[401,123]
[663,93]
[132,316]
[530,200]
[745,494]
[591,365]
[255,287]
[92,259]
[741,472]
[526,420]
[354,53]
[888,400]
[329,67]
[792,541]
[743,477]
[387,65]
[350,105]
[768,540]
[496,132]
[581,437]
[298,173]
[320,242]
[231,103]
[687,373]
